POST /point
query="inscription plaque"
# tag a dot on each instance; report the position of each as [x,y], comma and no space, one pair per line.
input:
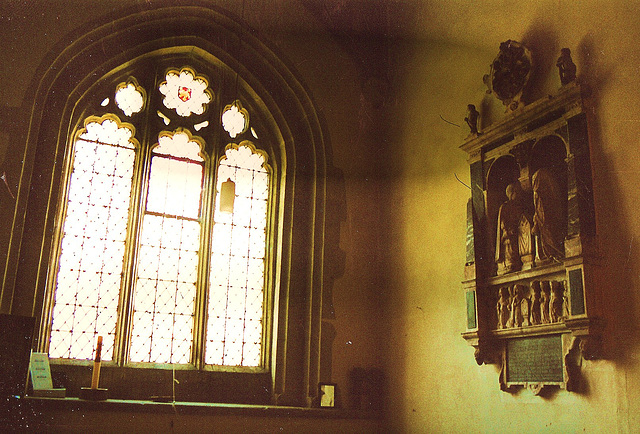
[535,360]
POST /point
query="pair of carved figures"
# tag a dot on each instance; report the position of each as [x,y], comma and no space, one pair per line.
[521,236]
[520,306]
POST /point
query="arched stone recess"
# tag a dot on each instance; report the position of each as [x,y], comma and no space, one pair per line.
[503,172]
[101,54]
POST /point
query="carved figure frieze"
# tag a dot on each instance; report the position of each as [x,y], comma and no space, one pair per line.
[504,307]
[544,306]
[538,303]
[558,306]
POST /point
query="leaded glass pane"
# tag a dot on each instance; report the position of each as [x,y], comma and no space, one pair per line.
[235,119]
[185,92]
[174,187]
[165,290]
[167,266]
[129,98]
[236,294]
[92,245]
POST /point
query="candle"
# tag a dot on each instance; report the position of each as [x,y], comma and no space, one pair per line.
[95,377]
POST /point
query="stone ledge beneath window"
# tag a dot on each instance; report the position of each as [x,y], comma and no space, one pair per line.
[125,415]
[76,404]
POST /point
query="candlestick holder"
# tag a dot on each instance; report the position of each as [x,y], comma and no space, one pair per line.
[95,393]
[90,394]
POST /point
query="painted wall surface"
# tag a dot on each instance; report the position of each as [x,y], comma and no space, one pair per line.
[435,384]
[395,295]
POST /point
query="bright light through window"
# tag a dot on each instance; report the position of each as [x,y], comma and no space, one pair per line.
[234,332]
[93,242]
[129,98]
[168,258]
[185,92]
[235,119]
[146,258]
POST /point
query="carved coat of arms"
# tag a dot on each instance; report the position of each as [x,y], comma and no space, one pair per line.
[510,73]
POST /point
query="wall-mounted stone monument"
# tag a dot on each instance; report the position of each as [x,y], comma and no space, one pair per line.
[530,273]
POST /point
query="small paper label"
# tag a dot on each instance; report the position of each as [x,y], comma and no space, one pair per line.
[40,371]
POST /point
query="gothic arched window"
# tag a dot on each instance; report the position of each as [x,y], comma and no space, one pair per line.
[173,202]
[163,234]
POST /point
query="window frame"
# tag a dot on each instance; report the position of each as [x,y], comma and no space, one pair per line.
[145,145]
[66,76]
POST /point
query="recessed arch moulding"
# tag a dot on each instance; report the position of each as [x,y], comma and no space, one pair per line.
[105,51]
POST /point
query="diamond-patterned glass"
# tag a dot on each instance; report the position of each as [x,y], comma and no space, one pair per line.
[92,245]
[236,293]
[164,292]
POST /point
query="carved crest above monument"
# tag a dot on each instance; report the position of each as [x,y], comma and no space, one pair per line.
[531,279]
[510,72]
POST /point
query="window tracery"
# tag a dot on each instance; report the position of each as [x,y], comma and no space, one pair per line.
[185,92]
[164,239]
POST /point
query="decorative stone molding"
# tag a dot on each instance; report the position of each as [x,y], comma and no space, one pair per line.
[530,276]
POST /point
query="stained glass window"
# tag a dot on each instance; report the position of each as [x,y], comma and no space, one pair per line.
[146,258]
[185,92]
[93,241]
[234,332]
[130,97]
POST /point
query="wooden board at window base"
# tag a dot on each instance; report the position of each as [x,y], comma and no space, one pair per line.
[16,334]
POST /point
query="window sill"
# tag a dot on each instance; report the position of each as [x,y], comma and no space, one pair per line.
[41,405]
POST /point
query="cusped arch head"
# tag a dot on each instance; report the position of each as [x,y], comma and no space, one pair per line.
[108,129]
[107,46]
[549,152]
[67,78]
[181,143]
[260,154]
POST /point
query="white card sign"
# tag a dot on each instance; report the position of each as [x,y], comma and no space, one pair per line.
[40,371]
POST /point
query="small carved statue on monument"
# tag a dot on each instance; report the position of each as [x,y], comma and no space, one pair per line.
[503,307]
[536,301]
[548,218]
[557,304]
[566,67]
[519,307]
[507,256]
[525,310]
[472,118]
[544,303]
[525,244]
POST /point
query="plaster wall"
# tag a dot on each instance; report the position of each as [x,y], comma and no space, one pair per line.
[394,282]
[435,384]
[34,31]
